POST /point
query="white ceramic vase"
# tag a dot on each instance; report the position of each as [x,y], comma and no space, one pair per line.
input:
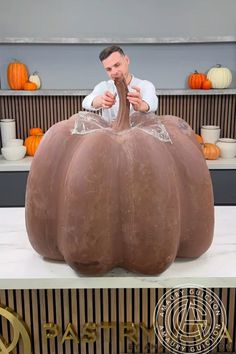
[8,130]
[210,133]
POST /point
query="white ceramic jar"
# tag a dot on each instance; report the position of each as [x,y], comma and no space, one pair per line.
[8,130]
[210,133]
[227,148]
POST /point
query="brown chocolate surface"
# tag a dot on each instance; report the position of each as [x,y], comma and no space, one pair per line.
[136,195]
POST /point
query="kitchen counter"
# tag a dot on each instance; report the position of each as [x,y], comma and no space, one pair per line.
[20,165]
[22,268]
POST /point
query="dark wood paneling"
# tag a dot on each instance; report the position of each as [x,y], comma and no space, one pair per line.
[197,110]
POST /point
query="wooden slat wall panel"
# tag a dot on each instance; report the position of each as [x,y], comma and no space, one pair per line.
[41,111]
[203,110]
[44,111]
[80,306]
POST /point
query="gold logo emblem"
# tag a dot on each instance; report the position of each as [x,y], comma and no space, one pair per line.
[19,329]
[190,319]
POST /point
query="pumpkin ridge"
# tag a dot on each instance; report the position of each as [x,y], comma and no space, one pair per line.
[50,195]
[132,259]
[108,224]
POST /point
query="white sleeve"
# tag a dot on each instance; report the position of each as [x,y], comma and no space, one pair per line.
[97,91]
[148,93]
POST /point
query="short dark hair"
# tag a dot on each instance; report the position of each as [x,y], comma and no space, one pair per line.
[105,53]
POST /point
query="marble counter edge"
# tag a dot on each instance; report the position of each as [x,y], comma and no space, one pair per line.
[15,166]
[84,92]
[24,164]
[116,282]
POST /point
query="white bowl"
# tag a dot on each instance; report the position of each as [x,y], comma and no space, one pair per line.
[14,142]
[227,148]
[13,153]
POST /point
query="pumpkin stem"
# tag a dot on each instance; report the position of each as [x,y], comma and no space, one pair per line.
[122,121]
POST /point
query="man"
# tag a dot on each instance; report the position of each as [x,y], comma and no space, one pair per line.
[142,95]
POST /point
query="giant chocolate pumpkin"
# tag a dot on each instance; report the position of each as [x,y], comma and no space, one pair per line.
[135,195]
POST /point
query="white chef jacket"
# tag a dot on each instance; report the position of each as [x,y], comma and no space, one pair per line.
[148,94]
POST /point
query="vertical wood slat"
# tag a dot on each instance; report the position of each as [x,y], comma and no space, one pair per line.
[4,328]
[121,319]
[43,316]
[231,346]
[82,317]
[66,315]
[74,318]
[51,318]
[143,349]
[59,316]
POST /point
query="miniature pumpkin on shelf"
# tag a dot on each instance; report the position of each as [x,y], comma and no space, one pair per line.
[221,77]
[206,85]
[211,151]
[17,75]
[33,141]
[196,79]
[199,138]
[35,79]
[30,86]
[35,131]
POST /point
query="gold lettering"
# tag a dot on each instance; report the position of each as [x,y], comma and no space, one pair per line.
[70,334]
[227,335]
[148,331]
[107,326]
[51,330]
[129,330]
[90,332]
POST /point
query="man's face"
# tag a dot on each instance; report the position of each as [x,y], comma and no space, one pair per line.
[116,65]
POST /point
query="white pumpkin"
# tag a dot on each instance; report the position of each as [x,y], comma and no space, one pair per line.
[35,79]
[220,77]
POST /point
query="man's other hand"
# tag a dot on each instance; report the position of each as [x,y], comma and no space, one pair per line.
[135,99]
[107,100]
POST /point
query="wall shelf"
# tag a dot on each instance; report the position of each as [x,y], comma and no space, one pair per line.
[84,92]
[117,40]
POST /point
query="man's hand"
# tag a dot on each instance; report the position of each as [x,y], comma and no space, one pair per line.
[107,100]
[135,99]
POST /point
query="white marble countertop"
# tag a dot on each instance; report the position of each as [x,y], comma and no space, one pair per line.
[20,165]
[22,268]
[24,164]
[221,164]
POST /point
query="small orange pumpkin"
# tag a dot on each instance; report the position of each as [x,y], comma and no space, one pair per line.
[211,151]
[32,142]
[196,79]
[17,75]
[30,86]
[206,85]
[35,131]
[199,138]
